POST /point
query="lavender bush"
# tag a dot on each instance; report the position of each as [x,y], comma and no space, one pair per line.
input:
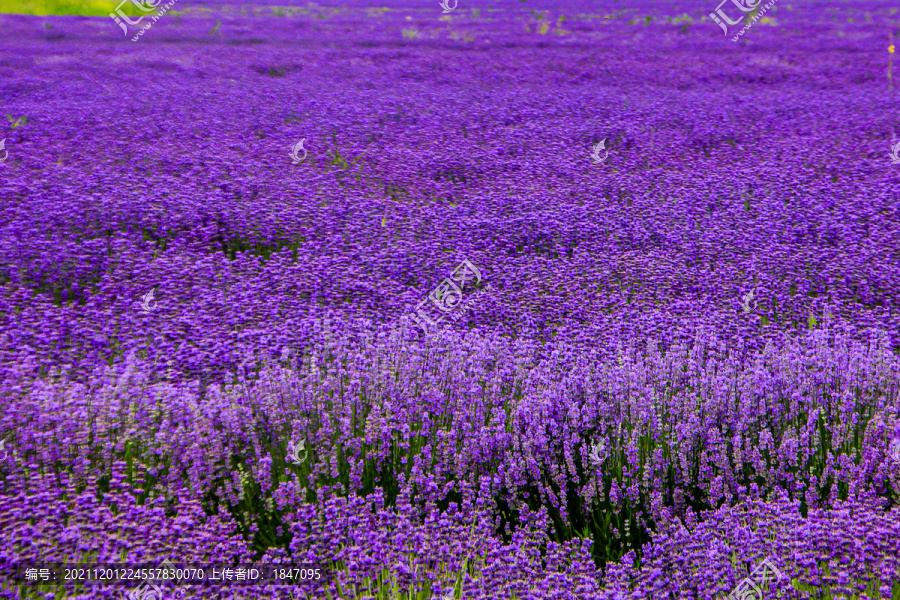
[678,361]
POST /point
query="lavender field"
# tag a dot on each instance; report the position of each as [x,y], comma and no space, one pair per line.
[494,299]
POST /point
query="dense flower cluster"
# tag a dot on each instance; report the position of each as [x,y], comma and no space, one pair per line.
[682,359]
